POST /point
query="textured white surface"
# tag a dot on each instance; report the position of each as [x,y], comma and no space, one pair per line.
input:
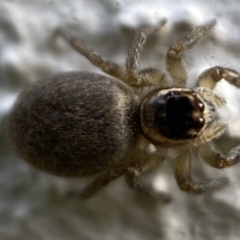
[32,205]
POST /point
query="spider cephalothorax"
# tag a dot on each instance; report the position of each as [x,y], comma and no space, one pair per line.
[172,114]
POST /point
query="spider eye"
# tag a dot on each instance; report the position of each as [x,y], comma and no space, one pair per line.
[179,115]
[199,123]
[200,106]
[169,94]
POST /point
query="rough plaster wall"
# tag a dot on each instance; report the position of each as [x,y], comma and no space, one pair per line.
[33,205]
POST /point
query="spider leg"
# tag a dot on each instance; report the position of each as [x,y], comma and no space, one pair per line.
[100,182]
[133,173]
[174,61]
[182,172]
[212,76]
[145,77]
[207,152]
[95,58]
[213,157]
[130,173]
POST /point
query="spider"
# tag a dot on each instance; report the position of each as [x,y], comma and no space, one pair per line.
[79,124]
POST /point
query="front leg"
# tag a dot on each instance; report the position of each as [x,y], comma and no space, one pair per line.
[212,76]
[182,172]
[209,154]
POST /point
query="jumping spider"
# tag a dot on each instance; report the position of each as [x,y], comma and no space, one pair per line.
[79,123]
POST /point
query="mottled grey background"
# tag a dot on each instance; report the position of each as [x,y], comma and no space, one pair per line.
[34,205]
